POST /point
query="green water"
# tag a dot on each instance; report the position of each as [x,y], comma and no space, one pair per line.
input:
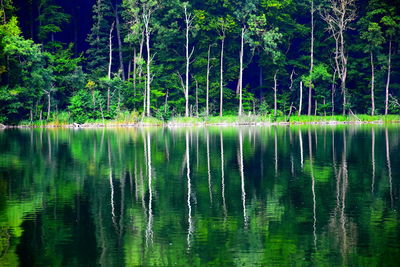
[251,196]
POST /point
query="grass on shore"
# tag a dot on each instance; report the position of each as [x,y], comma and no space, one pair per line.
[126,118]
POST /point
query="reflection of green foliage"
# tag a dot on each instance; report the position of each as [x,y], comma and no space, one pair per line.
[64,175]
[321,173]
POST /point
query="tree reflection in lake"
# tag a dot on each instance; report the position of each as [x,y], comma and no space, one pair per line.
[143,197]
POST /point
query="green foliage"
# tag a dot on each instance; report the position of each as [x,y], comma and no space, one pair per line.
[97,54]
[164,113]
[85,106]
[51,18]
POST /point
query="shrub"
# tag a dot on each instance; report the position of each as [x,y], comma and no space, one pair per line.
[85,106]
[164,113]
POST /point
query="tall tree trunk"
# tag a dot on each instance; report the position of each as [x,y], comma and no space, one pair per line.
[221,98]
[140,69]
[188,22]
[148,79]
[134,71]
[343,85]
[316,107]
[241,72]
[301,98]
[109,66]
[197,97]
[187,74]
[333,92]
[275,94]
[311,59]
[121,58]
[372,85]
[48,105]
[388,78]
[344,71]
[129,69]
[208,81]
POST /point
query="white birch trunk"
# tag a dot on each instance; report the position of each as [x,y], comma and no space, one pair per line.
[241,72]
[388,78]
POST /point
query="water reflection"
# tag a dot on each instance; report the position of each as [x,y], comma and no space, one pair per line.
[207,196]
[241,170]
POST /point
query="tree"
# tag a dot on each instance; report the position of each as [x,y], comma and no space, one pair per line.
[51,18]
[312,11]
[189,23]
[119,39]
[268,41]
[391,24]
[148,8]
[243,14]
[28,70]
[338,16]
[98,39]
[372,33]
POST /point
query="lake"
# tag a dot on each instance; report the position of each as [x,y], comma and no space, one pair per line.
[219,196]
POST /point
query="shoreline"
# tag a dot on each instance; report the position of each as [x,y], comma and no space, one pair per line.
[194,124]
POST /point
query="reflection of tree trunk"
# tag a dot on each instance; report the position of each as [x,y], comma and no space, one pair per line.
[313,189]
[338,220]
[149,229]
[189,193]
[102,237]
[223,175]
[343,218]
[241,169]
[49,145]
[121,219]
[389,165]
[276,152]
[301,149]
[111,186]
[291,154]
[373,160]
[208,166]
[197,147]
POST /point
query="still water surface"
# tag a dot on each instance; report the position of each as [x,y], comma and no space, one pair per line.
[251,196]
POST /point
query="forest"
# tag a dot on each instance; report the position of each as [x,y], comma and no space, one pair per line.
[94,60]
